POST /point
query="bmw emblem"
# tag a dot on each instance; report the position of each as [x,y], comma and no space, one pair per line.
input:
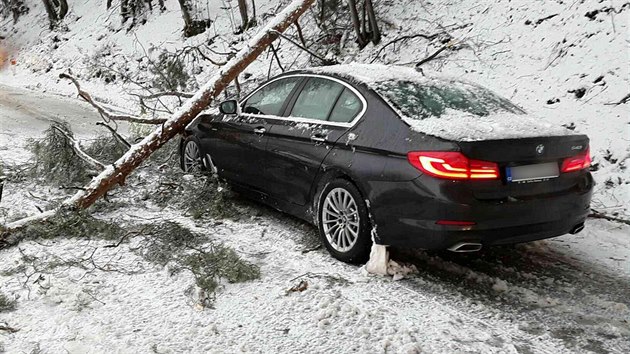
[540,149]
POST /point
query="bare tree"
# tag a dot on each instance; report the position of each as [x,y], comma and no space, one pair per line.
[136,10]
[366,29]
[242,8]
[192,26]
[117,172]
[17,8]
[56,10]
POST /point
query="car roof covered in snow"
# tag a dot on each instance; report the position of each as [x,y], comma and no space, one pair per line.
[369,73]
[453,124]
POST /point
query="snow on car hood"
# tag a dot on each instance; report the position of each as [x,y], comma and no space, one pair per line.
[452,124]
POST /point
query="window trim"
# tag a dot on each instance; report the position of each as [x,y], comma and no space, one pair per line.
[350,124]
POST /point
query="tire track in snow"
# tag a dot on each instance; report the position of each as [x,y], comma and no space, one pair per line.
[544,291]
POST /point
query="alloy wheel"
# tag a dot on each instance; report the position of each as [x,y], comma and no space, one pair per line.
[340,219]
[192,157]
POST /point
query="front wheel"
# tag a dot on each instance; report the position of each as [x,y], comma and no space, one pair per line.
[344,225]
[191,156]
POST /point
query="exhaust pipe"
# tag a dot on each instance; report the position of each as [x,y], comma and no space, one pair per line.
[465,247]
[577,228]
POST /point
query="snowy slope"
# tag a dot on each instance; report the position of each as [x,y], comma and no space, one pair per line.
[537,55]
[569,294]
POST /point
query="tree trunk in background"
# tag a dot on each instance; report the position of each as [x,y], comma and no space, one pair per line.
[366,28]
[375,33]
[124,10]
[192,27]
[16,7]
[117,172]
[242,8]
[63,9]
[356,23]
[52,14]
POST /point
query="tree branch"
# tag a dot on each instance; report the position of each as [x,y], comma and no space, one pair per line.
[436,53]
[77,150]
[115,134]
[599,215]
[624,100]
[324,60]
[429,37]
[105,113]
[165,93]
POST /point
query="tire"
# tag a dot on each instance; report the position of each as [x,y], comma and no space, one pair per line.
[191,157]
[343,221]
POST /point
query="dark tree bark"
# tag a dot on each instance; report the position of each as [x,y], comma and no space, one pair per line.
[63,9]
[52,13]
[356,23]
[242,8]
[192,27]
[374,30]
[56,10]
[124,10]
[16,7]
[365,28]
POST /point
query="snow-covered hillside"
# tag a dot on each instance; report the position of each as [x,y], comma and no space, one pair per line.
[564,61]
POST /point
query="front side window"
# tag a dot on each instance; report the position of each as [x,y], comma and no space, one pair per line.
[435,98]
[317,99]
[270,99]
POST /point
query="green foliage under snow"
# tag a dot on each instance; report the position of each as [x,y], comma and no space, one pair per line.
[67,223]
[170,243]
[57,163]
[6,304]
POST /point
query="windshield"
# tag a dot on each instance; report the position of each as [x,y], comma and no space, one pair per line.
[420,100]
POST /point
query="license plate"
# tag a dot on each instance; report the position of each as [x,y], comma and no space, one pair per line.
[532,173]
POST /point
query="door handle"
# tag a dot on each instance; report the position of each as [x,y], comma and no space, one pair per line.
[318,138]
[260,130]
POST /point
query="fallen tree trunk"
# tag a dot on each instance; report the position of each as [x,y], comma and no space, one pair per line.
[119,170]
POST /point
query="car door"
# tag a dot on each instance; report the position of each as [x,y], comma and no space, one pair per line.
[316,117]
[239,144]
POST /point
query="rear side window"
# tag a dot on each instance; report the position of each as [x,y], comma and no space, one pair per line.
[420,100]
[270,99]
[346,108]
[316,99]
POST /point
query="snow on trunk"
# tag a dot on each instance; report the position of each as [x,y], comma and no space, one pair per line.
[119,170]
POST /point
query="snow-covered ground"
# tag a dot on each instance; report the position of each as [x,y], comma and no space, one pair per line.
[568,294]
[562,295]
[541,56]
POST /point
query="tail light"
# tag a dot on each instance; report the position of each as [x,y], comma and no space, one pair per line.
[578,162]
[452,165]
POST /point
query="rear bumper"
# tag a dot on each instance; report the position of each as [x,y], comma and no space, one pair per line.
[405,214]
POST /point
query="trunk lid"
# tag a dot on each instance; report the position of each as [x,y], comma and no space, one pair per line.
[525,150]
[512,154]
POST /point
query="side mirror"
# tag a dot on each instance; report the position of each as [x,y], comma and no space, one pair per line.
[229,107]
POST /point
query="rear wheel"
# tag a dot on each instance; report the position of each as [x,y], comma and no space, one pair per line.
[344,222]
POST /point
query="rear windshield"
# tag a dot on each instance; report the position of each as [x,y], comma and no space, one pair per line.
[420,100]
